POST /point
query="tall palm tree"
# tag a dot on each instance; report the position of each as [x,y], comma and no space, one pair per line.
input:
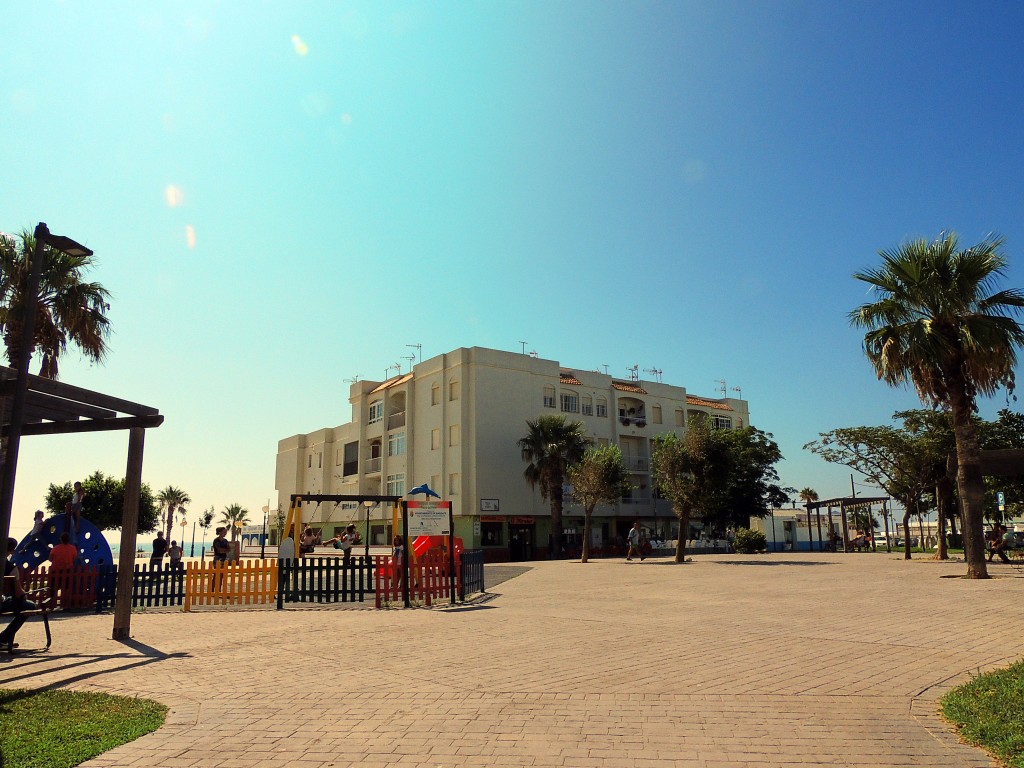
[172,499]
[940,323]
[550,446]
[233,515]
[68,308]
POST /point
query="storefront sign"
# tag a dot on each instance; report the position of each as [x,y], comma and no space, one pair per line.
[520,521]
[492,518]
[488,505]
[429,518]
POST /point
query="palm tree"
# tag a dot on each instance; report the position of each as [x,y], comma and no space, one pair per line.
[807,495]
[172,499]
[939,325]
[234,516]
[552,445]
[67,308]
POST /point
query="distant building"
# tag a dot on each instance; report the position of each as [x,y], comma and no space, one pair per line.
[453,422]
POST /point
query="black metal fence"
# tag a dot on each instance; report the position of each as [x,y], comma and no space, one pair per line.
[324,580]
[471,576]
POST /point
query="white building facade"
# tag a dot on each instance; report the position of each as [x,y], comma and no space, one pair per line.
[454,421]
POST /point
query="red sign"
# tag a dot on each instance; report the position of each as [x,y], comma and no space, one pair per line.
[521,520]
[492,518]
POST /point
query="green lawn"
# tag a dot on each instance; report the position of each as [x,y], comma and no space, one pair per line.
[989,713]
[60,729]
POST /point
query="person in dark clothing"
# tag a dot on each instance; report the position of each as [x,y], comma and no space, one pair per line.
[14,599]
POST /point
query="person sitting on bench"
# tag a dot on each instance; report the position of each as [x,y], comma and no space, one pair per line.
[1006,541]
[14,600]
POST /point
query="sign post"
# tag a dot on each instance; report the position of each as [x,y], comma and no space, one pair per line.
[433,518]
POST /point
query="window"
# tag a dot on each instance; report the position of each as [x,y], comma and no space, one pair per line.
[309,464]
[549,397]
[453,434]
[376,411]
[656,414]
[435,439]
[680,419]
[739,423]
[396,484]
[453,390]
[588,405]
[570,402]
[320,460]
[396,444]
[602,442]
[490,534]
[602,407]
[453,483]
[435,394]
[721,422]
[350,465]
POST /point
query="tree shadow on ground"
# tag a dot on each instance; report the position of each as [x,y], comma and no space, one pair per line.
[771,562]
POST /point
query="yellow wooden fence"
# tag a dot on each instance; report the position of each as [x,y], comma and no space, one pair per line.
[247,582]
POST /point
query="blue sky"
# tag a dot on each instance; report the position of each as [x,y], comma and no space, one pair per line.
[284,195]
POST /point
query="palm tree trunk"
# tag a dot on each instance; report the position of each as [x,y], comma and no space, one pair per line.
[942,493]
[969,480]
[555,549]
[170,521]
[684,530]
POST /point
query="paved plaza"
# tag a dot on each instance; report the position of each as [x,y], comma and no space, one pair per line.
[777,660]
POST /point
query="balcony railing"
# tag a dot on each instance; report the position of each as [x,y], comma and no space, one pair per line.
[372,465]
[396,420]
[636,500]
[637,464]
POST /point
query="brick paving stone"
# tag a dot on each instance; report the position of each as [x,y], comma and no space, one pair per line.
[789,660]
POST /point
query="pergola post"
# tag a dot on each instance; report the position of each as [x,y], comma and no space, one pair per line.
[129,533]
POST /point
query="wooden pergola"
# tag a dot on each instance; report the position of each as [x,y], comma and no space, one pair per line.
[55,408]
[844,503]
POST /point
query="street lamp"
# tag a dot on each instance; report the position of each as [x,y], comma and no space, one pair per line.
[183,523]
[43,236]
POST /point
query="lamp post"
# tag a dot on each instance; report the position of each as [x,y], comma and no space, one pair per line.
[43,236]
[183,523]
[263,538]
[192,552]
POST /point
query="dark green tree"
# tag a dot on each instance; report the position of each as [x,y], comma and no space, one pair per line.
[599,478]
[752,483]
[550,447]
[940,323]
[104,502]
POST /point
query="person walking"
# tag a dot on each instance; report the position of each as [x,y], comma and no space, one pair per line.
[174,555]
[635,540]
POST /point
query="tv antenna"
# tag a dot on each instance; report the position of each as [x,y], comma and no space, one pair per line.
[353,380]
[656,372]
[411,359]
[524,346]
[739,392]
[419,351]
[389,369]
[634,374]
[721,386]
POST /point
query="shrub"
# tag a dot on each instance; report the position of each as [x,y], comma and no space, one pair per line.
[748,542]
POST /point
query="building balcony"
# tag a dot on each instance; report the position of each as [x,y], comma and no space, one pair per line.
[636,464]
[396,420]
[371,465]
[636,500]
[633,421]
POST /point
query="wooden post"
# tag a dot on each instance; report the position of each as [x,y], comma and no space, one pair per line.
[129,532]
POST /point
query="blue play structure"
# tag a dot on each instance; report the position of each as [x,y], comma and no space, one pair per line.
[93,548]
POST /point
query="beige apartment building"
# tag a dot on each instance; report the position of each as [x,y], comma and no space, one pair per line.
[453,422]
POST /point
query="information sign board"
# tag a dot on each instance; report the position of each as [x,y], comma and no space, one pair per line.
[429,518]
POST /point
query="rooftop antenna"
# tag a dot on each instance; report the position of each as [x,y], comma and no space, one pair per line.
[353,380]
[605,368]
[634,374]
[738,391]
[524,346]
[419,350]
[411,359]
[656,372]
[721,386]
[389,369]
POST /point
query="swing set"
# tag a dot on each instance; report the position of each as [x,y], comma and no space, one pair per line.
[294,524]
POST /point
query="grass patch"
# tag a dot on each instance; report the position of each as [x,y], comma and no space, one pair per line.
[989,712]
[60,729]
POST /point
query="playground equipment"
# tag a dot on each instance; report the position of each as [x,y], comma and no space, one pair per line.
[93,548]
[423,544]
[294,522]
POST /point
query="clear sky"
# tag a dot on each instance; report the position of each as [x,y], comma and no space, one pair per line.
[283,195]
